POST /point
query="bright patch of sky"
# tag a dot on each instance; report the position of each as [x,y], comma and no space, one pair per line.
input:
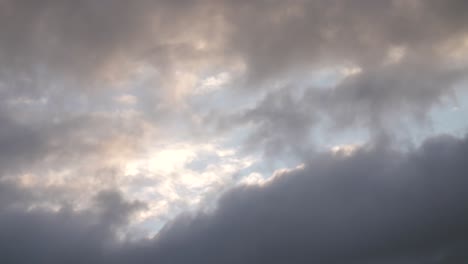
[178,176]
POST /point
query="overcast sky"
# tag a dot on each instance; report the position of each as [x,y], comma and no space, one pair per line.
[234,131]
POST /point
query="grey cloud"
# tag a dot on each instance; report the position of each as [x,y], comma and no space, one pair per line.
[19,144]
[89,37]
[86,40]
[11,196]
[374,100]
[376,206]
[49,44]
[27,146]
[290,40]
[282,123]
[298,35]
[46,162]
[71,236]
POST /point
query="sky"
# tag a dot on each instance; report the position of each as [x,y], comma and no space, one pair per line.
[233,131]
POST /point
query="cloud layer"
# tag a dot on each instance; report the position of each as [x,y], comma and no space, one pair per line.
[165,131]
[375,205]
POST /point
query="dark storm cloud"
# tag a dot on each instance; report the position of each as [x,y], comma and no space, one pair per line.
[42,236]
[377,206]
[374,206]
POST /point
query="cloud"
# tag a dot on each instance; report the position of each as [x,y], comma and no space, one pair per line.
[170,102]
[408,54]
[378,100]
[44,236]
[86,46]
[107,40]
[294,36]
[400,57]
[373,205]
[18,144]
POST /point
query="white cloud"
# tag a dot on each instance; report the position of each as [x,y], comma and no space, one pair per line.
[395,54]
[173,183]
[126,99]
[213,83]
[345,149]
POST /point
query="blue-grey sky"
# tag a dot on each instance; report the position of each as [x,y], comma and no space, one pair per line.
[231,131]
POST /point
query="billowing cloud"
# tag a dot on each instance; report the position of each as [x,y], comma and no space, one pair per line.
[375,205]
[165,131]
[45,236]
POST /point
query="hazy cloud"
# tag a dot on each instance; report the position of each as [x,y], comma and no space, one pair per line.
[175,102]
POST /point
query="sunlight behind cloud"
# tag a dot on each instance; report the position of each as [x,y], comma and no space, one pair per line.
[166,172]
